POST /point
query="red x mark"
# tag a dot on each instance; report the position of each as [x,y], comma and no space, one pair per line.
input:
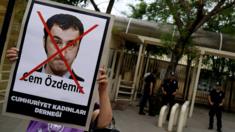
[59,51]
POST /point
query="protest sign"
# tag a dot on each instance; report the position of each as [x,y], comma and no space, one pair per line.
[60,48]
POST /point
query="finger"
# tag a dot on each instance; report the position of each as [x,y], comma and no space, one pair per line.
[14,48]
[103,77]
[102,71]
[10,56]
[12,52]
[102,81]
[13,59]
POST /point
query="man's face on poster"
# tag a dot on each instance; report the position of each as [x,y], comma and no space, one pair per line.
[62,37]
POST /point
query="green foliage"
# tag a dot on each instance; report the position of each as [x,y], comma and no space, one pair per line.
[156,50]
[190,50]
[156,11]
[231,67]
[167,41]
[188,16]
[223,22]
[220,66]
[138,10]
[159,11]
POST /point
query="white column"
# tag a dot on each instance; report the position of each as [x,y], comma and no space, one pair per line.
[139,71]
[118,72]
[196,84]
[137,66]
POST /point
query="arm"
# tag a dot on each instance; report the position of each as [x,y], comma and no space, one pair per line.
[151,89]
[176,87]
[222,103]
[105,112]
[210,102]
[162,86]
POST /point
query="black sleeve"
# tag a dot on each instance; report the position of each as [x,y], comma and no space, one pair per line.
[97,106]
[223,95]
[94,123]
[211,93]
[153,79]
[177,86]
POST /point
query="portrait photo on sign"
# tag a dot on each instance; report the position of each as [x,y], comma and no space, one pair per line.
[69,73]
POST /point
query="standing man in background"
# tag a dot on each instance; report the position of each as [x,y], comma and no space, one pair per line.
[216,101]
[149,79]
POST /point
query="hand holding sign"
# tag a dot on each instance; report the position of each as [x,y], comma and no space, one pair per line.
[12,54]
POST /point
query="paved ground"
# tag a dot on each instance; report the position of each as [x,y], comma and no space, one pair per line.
[10,124]
[129,121]
[199,121]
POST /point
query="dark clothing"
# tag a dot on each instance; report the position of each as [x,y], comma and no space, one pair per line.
[168,99]
[147,95]
[169,86]
[143,101]
[216,98]
[40,126]
[148,80]
[218,112]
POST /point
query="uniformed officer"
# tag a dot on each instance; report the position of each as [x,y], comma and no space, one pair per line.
[169,87]
[216,101]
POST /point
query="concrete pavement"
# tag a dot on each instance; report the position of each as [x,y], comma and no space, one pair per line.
[200,120]
[129,121]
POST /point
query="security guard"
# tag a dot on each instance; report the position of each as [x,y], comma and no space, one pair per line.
[216,101]
[169,88]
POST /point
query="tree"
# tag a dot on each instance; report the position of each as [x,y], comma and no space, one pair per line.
[109,7]
[188,16]
[85,2]
[72,2]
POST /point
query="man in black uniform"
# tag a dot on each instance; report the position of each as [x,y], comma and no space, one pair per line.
[169,87]
[148,93]
[216,101]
